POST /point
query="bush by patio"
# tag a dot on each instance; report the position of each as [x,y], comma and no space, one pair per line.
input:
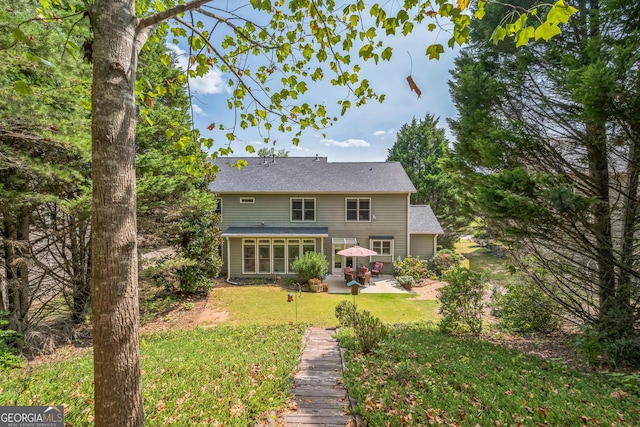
[312,265]
[411,266]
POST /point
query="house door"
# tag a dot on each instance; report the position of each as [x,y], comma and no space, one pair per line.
[339,262]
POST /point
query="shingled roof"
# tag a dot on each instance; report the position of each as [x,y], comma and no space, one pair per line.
[309,175]
[423,221]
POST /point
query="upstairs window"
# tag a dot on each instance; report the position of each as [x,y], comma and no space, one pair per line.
[247,199]
[358,209]
[303,209]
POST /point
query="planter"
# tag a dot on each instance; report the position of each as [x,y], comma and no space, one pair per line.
[315,287]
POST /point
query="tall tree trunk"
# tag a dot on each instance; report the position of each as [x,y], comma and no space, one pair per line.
[80,267]
[630,212]
[117,376]
[17,255]
[601,211]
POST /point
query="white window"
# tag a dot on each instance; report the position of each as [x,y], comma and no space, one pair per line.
[383,247]
[248,256]
[303,209]
[247,199]
[358,209]
[266,256]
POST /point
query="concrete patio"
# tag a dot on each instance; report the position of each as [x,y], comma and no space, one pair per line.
[385,284]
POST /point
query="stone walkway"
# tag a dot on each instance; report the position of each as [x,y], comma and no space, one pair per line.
[319,393]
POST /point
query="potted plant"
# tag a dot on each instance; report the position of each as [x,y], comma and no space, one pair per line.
[325,287]
[315,285]
[406,282]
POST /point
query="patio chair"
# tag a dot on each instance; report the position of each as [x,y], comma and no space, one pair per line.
[377,269]
[348,274]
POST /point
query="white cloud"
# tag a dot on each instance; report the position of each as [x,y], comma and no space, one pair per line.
[380,133]
[212,83]
[198,110]
[349,143]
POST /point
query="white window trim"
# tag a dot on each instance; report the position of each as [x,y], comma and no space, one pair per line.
[247,199]
[255,261]
[358,212]
[315,209]
[287,242]
[391,247]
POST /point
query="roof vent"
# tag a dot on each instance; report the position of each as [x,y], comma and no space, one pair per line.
[317,159]
[274,159]
[264,160]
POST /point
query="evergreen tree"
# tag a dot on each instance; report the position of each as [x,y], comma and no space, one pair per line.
[423,150]
[549,141]
[174,206]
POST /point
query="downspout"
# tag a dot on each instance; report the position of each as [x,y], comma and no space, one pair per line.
[408,250]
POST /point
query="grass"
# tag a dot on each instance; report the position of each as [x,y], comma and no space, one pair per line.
[420,376]
[229,376]
[268,305]
[481,259]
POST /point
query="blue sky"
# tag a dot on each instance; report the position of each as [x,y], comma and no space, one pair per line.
[364,133]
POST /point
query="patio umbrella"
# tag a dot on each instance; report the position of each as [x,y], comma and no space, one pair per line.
[357,251]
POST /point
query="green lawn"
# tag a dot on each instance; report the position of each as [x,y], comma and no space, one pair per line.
[268,305]
[226,375]
[481,259]
[421,377]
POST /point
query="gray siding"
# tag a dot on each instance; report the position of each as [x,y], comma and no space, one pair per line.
[390,211]
[422,246]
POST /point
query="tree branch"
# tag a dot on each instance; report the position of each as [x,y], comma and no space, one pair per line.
[159,17]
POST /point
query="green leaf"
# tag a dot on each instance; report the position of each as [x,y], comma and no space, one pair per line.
[434,51]
[498,35]
[166,60]
[523,36]
[546,31]
[249,149]
[386,54]
[560,13]
[480,12]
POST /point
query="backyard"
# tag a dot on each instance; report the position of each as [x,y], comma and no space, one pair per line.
[229,359]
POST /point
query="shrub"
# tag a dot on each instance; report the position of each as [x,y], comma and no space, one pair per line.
[345,313]
[525,308]
[9,357]
[179,274]
[443,261]
[410,266]
[311,265]
[588,344]
[461,303]
[622,351]
[369,331]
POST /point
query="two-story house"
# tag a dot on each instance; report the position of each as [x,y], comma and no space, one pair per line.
[275,209]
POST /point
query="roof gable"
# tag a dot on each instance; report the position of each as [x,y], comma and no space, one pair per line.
[422,220]
[309,175]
